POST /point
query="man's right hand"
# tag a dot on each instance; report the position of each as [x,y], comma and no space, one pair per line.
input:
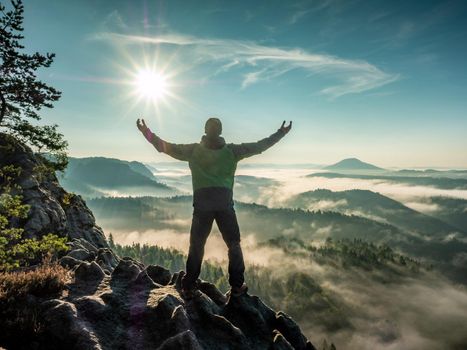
[285,129]
[141,126]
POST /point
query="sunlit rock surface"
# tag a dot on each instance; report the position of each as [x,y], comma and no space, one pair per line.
[115,303]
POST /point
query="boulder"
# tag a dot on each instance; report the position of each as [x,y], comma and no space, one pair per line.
[107,259]
[88,276]
[185,340]
[69,262]
[125,272]
[212,292]
[82,254]
[291,331]
[159,274]
[279,342]
[64,326]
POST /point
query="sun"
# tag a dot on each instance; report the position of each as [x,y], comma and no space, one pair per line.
[151,85]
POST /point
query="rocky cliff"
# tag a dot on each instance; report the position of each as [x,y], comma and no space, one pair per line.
[118,303]
[52,208]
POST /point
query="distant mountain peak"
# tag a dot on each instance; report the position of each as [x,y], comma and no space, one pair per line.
[352,164]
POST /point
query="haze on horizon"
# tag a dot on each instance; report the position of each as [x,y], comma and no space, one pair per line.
[381,81]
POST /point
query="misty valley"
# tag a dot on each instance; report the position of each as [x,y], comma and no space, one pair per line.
[361,256]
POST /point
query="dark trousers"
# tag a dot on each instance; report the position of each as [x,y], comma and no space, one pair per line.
[200,228]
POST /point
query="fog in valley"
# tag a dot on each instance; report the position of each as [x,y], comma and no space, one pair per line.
[355,305]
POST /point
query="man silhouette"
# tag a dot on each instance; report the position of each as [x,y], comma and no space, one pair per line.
[213,163]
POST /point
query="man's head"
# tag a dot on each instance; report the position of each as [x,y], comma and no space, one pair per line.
[213,127]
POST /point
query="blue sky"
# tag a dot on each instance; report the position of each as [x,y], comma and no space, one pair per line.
[384,81]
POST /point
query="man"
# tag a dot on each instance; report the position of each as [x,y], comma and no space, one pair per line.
[213,163]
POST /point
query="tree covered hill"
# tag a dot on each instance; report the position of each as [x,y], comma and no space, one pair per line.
[452,210]
[438,182]
[252,217]
[376,206]
[97,176]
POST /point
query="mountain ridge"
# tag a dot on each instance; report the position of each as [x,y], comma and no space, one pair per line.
[96,176]
[372,204]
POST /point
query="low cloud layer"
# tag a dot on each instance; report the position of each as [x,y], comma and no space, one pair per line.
[423,312]
[294,181]
[215,250]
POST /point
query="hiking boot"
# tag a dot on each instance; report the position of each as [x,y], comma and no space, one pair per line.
[238,291]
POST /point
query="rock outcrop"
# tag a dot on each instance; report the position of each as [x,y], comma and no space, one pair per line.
[53,210]
[119,303]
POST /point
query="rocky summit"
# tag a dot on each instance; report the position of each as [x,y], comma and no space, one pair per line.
[116,302]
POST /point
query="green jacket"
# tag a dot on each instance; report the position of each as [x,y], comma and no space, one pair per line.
[213,163]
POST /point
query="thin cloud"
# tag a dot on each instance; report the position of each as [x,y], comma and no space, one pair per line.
[267,62]
[114,20]
[303,9]
[296,16]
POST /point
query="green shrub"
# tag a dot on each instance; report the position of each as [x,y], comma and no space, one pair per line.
[67,197]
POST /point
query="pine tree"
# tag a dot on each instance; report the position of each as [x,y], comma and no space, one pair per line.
[22,94]
[111,241]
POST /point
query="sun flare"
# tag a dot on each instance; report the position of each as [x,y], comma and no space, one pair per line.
[151,85]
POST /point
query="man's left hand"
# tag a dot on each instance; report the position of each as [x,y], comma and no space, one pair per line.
[285,129]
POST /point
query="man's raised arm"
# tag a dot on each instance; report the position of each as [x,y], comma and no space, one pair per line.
[245,150]
[177,151]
